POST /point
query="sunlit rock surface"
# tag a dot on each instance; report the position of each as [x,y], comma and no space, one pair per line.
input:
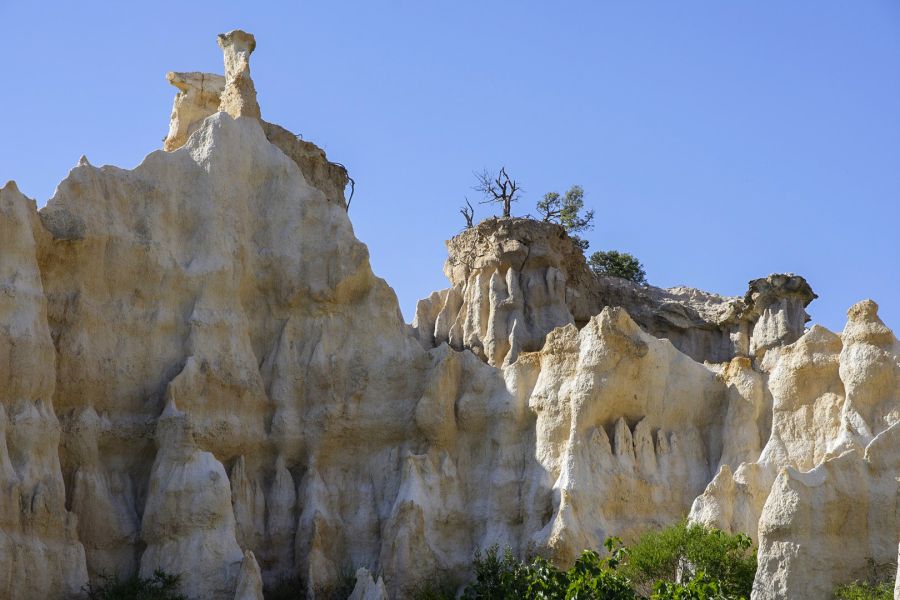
[514,280]
[201,373]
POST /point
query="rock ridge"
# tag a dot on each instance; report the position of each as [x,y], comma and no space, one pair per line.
[513,280]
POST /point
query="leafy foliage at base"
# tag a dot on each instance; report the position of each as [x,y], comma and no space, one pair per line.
[681,551]
[161,586]
[681,562]
[865,591]
[700,587]
[503,577]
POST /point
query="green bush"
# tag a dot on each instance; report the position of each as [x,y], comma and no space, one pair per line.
[865,591]
[681,562]
[599,579]
[161,586]
[438,586]
[701,587]
[618,264]
[503,577]
[497,576]
[677,553]
[567,211]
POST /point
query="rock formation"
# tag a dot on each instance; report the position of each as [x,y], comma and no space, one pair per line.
[198,98]
[239,94]
[514,280]
[201,373]
[41,553]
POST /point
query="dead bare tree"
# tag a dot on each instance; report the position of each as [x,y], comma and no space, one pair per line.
[467,213]
[498,188]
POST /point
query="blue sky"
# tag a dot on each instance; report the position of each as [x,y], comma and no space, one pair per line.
[717,141]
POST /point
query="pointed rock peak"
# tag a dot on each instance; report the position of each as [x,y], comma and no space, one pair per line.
[280,463]
[249,581]
[823,334]
[239,95]
[83,161]
[10,186]
[624,443]
[173,430]
[817,339]
[170,411]
[367,588]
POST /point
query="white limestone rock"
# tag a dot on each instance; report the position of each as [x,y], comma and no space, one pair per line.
[514,280]
[40,554]
[239,94]
[531,405]
[249,581]
[822,528]
[188,523]
[198,97]
[367,588]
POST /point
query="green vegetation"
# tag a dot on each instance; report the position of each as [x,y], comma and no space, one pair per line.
[566,211]
[161,586]
[681,562]
[680,551]
[503,577]
[700,587]
[865,591]
[618,264]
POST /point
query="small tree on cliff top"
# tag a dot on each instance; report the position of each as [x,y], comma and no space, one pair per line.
[566,211]
[468,213]
[618,264]
[498,188]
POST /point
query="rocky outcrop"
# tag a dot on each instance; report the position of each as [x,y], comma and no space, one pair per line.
[201,373]
[515,280]
[201,94]
[198,97]
[41,553]
[823,498]
[832,524]
[239,93]
[617,409]
[511,286]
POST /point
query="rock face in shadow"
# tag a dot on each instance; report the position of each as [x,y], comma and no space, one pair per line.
[201,373]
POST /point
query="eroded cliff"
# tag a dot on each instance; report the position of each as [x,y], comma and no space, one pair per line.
[201,373]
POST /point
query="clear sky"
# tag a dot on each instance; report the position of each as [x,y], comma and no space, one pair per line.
[717,141]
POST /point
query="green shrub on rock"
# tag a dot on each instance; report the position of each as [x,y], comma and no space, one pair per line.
[590,578]
[865,591]
[681,562]
[701,587]
[677,553]
[161,586]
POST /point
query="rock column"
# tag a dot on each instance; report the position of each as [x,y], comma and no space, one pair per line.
[239,96]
